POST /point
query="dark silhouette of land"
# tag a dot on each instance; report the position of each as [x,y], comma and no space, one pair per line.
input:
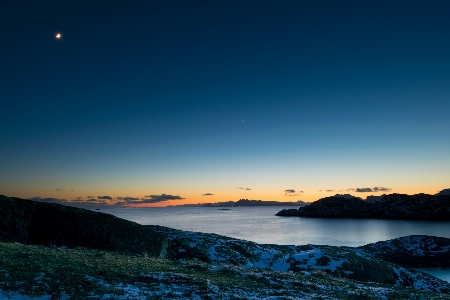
[393,206]
[246,202]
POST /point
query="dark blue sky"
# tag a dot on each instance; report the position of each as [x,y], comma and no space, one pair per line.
[195,97]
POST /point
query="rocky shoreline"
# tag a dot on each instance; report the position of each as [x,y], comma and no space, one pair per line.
[364,264]
[394,206]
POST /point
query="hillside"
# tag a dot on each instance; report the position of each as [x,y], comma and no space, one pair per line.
[50,224]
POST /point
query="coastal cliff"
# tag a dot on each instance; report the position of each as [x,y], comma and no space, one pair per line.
[394,206]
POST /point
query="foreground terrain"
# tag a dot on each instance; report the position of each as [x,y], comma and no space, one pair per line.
[55,273]
[59,252]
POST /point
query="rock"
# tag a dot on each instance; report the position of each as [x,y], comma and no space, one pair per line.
[444,192]
[414,251]
[340,207]
[394,206]
[340,262]
[372,199]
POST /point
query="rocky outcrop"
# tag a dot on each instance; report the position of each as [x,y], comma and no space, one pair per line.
[341,262]
[444,192]
[415,251]
[332,207]
[30,272]
[394,206]
[418,207]
[51,224]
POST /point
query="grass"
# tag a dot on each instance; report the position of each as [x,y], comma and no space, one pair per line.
[83,273]
[37,270]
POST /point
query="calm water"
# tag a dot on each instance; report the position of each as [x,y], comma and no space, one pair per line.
[260,225]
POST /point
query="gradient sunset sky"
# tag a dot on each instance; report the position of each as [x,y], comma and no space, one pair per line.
[173,102]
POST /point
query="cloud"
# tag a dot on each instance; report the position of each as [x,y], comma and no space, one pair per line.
[104,197]
[381,189]
[208,194]
[127,198]
[92,200]
[241,188]
[90,197]
[159,198]
[60,190]
[291,192]
[76,202]
[328,190]
[50,200]
[371,190]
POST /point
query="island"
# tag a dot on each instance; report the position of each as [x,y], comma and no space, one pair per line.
[54,251]
[393,206]
[245,202]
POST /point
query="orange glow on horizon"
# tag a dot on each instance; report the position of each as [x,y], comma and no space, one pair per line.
[191,197]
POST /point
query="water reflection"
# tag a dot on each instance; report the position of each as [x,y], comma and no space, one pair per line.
[259,224]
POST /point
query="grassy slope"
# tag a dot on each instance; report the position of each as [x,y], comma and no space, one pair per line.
[38,270]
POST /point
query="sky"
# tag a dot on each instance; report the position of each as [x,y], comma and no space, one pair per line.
[177,102]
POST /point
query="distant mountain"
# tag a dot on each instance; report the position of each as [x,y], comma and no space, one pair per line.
[394,206]
[246,202]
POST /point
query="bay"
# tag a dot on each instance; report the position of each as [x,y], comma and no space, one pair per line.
[260,225]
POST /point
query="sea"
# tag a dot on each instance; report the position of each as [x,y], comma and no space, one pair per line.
[260,225]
